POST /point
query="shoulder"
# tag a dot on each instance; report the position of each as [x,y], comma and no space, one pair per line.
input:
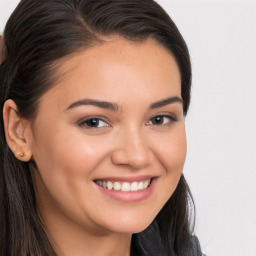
[192,248]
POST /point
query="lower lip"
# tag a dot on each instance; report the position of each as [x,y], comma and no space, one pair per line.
[130,196]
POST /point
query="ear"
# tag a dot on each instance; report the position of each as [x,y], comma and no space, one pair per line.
[16,131]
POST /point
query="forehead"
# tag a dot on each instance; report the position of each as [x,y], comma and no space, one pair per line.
[118,66]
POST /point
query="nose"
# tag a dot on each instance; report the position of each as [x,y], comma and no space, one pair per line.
[132,150]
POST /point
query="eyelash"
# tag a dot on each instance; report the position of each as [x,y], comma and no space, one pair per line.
[90,119]
[172,118]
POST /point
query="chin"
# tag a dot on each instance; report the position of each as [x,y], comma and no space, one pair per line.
[130,225]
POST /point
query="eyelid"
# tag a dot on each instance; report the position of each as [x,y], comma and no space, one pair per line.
[81,122]
[171,116]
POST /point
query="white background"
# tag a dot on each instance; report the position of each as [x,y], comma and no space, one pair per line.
[221,124]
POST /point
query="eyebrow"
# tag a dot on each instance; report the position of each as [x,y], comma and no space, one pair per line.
[115,107]
[97,103]
[165,102]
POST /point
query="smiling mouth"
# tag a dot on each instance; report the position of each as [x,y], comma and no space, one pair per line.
[124,186]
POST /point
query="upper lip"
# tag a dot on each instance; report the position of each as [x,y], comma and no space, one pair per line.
[129,179]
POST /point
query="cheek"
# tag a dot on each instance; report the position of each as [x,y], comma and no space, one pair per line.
[171,155]
[177,152]
[69,152]
[172,151]
[67,161]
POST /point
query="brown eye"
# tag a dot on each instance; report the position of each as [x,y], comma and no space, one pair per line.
[162,119]
[158,120]
[94,123]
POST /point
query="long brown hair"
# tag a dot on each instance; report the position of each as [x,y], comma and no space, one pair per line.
[36,36]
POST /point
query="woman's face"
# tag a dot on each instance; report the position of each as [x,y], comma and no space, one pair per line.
[109,139]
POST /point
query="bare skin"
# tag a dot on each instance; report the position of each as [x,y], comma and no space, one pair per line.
[77,142]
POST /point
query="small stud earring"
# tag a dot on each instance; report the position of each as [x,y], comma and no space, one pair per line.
[22,154]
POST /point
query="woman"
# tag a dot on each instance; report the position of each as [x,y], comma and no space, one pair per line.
[93,144]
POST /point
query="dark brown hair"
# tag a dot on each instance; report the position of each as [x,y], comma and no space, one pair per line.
[37,35]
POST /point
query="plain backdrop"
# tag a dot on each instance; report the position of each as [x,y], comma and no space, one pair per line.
[221,126]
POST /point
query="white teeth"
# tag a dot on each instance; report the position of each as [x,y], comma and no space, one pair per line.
[117,186]
[109,185]
[125,186]
[134,186]
[146,184]
[141,186]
